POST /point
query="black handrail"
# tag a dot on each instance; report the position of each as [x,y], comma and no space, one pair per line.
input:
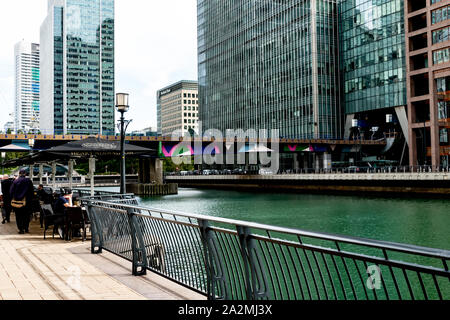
[232,259]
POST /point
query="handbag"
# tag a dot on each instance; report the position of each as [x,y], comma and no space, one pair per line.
[18,204]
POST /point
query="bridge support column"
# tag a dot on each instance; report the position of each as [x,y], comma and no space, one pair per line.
[151,170]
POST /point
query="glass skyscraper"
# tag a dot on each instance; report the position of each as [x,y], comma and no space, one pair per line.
[78,67]
[270,65]
[372,54]
[27,83]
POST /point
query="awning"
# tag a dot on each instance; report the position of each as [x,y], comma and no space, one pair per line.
[16,147]
[254,148]
[93,146]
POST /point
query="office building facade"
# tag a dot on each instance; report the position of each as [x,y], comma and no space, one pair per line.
[270,65]
[366,69]
[428,78]
[27,87]
[177,108]
[77,66]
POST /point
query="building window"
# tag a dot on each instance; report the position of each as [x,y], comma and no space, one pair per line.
[441,35]
[443,136]
[441,56]
[440,15]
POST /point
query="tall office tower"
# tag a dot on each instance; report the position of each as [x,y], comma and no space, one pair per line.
[177,106]
[77,67]
[270,65]
[428,80]
[372,57]
[27,87]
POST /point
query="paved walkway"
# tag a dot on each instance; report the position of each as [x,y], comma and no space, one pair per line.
[35,269]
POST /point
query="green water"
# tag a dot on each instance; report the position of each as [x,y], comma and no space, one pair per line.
[423,222]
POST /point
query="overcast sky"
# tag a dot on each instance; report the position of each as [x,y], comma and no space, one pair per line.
[156,45]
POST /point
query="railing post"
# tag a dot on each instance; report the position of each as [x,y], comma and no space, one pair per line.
[255,275]
[137,245]
[216,275]
[96,231]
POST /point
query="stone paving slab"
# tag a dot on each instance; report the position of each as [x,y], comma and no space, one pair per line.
[32,268]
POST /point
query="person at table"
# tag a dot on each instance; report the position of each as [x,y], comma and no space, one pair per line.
[6,184]
[63,202]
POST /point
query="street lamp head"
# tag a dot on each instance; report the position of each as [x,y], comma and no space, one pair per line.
[122,102]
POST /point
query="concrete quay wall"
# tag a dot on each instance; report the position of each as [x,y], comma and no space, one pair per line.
[372,183]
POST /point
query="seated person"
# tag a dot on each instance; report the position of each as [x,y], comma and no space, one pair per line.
[64,201]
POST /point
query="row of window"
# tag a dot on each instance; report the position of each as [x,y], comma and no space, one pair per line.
[440,15]
[441,56]
[188,95]
[441,35]
[190,101]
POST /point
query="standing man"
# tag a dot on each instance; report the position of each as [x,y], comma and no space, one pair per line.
[6,186]
[21,200]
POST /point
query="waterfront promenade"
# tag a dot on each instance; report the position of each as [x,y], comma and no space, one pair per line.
[35,269]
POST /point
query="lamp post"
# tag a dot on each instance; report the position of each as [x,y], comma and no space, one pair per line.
[3,159]
[31,144]
[122,106]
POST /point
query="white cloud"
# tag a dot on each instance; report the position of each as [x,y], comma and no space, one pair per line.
[156,44]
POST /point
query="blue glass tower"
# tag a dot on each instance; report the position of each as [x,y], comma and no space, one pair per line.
[78,67]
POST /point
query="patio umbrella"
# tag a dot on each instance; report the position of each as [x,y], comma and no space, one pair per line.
[93,146]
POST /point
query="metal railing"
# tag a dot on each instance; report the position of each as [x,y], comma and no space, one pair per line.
[237,260]
[353,170]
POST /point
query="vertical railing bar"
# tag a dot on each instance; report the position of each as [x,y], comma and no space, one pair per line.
[329,276]
[312,274]
[231,265]
[409,284]
[304,274]
[296,272]
[384,284]
[167,250]
[201,258]
[148,235]
[151,235]
[393,275]
[196,259]
[438,290]
[281,269]
[181,249]
[226,261]
[321,275]
[339,277]
[289,273]
[444,262]
[362,281]
[373,290]
[237,251]
[175,250]
[257,264]
[270,269]
[187,244]
[422,285]
[176,259]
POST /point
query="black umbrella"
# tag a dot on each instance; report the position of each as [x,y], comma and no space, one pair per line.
[35,158]
[98,147]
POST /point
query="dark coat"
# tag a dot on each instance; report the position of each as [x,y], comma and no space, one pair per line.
[6,186]
[22,188]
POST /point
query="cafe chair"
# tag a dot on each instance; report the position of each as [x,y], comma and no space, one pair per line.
[75,222]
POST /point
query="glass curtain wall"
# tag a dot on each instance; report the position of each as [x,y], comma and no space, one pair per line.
[269,65]
[372,54]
